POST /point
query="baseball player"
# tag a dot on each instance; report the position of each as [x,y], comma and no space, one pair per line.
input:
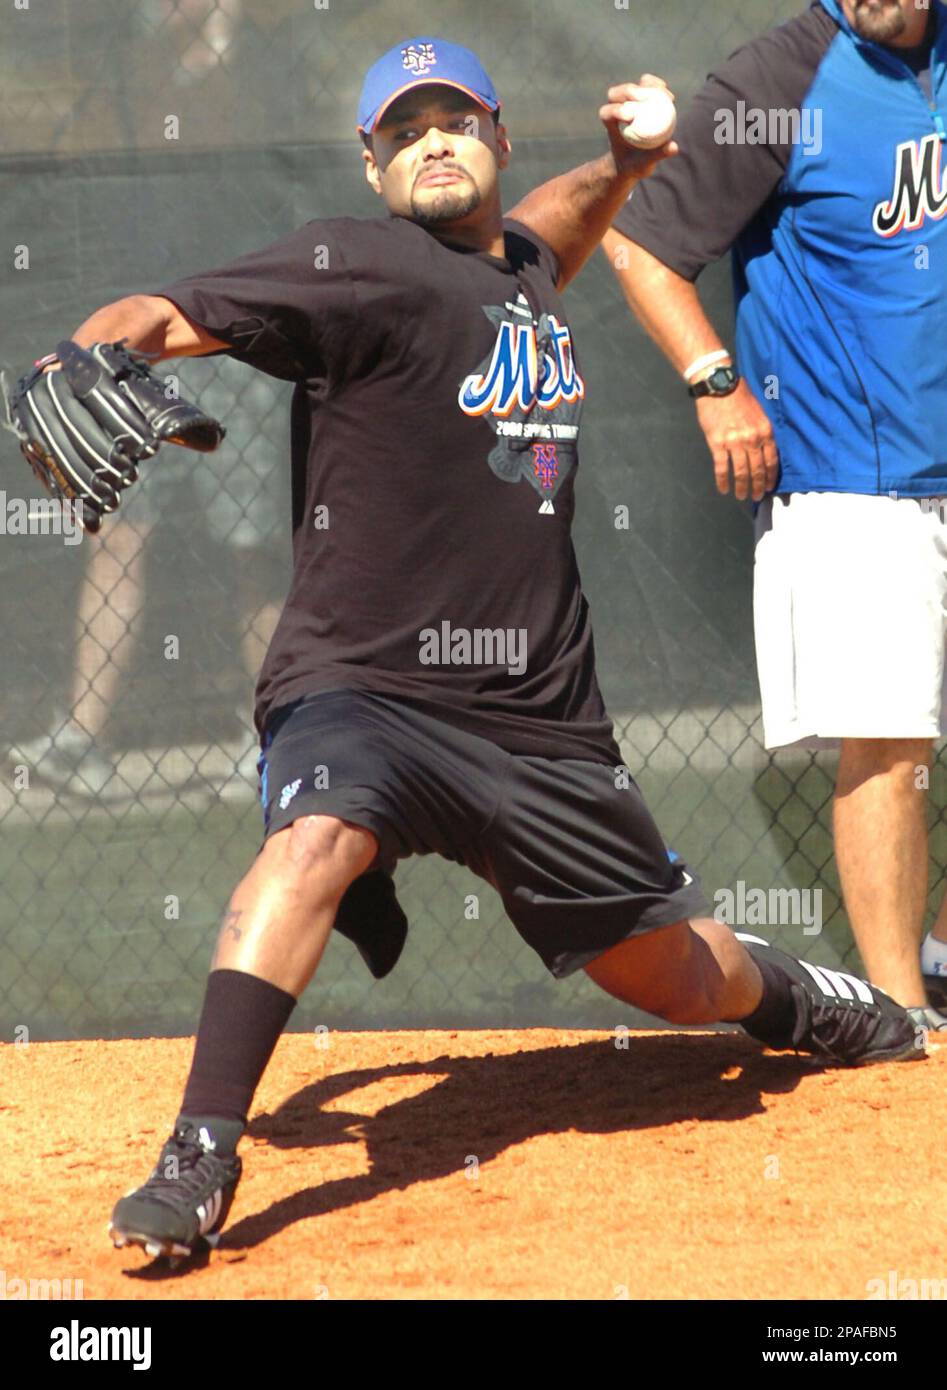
[431,684]
[814,153]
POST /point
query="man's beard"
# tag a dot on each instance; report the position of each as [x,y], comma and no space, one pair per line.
[447,205]
[879,26]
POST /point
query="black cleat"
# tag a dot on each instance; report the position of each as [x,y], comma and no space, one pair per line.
[187,1198]
[841,1017]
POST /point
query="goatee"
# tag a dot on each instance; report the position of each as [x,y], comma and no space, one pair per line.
[447,205]
[879,25]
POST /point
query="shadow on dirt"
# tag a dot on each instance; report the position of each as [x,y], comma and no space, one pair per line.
[484,1105]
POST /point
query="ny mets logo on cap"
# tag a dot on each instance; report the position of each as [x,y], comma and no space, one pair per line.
[418,58]
[417,61]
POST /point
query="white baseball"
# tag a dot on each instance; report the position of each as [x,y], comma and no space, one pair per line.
[653,120]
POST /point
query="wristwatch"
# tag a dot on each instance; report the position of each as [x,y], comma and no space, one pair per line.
[723,382]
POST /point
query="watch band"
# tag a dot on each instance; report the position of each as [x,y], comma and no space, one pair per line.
[709,359]
[722,382]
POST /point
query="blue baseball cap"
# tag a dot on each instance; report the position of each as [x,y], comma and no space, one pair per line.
[418,62]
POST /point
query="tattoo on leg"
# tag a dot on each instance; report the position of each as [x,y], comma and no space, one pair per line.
[231,918]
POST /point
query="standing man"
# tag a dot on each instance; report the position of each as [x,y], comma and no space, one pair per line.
[431,685]
[815,155]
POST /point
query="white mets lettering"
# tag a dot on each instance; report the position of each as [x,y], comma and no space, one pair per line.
[920,188]
[512,379]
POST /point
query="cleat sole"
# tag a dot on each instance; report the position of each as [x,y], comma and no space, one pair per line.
[155,1248]
[911,1053]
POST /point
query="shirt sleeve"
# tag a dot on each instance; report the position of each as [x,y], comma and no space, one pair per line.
[284,309]
[526,247]
[694,206]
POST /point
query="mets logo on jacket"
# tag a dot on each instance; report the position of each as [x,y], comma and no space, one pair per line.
[920,188]
[529,392]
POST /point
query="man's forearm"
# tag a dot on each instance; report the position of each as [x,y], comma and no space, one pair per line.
[737,429]
[150,323]
[666,305]
[139,318]
[573,211]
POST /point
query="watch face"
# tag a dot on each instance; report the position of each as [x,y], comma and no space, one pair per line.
[722,379]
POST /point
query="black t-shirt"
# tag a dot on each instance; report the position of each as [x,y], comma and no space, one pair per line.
[432,483]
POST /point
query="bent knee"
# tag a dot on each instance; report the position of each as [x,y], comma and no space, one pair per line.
[874,755]
[700,1006]
[323,852]
[316,841]
[664,973]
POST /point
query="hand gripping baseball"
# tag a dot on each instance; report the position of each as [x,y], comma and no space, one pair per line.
[83,429]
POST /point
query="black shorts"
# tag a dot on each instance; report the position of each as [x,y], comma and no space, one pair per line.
[576,858]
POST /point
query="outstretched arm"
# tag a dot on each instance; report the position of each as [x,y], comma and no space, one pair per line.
[85,419]
[573,211]
[151,323]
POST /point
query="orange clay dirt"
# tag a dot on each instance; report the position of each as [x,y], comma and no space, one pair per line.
[501,1164]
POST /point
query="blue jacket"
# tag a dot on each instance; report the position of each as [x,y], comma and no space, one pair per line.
[837,221]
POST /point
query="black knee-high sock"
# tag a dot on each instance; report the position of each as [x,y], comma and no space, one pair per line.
[241,1021]
[773,1019]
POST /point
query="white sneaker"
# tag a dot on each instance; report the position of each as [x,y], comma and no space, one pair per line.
[69,760]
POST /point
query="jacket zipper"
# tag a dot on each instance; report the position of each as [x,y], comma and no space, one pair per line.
[890,57]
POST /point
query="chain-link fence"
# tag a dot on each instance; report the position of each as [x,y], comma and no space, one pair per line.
[128,797]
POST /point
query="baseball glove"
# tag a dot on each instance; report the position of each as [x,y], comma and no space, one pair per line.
[83,429]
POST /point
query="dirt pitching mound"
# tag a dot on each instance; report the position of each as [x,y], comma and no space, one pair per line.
[494,1164]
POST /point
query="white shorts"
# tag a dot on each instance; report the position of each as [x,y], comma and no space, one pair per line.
[850,614]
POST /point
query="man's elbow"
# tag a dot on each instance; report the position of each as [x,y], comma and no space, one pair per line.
[180,336]
[641,275]
[625,256]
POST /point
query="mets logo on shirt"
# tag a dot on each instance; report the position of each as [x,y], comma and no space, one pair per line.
[920,188]
[530,393]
